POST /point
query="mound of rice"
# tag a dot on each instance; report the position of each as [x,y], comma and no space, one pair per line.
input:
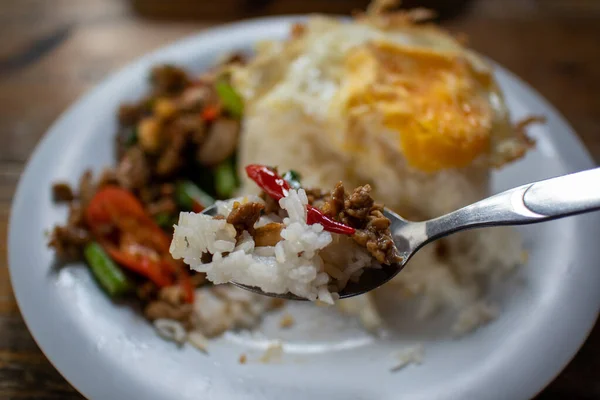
[308,262]
[328,103]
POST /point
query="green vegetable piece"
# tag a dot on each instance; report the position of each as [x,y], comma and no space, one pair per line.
[131,136]
[293,178]
[163,219]
[225,179]
[186,193]
[231,100]
[110,277]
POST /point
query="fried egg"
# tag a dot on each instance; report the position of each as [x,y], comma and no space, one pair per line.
[436,99]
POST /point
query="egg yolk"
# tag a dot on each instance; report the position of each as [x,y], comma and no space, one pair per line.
[434,101]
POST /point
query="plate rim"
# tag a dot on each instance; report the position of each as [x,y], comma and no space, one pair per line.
[584,161]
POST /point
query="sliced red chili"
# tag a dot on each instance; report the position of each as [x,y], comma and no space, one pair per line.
[139,264]
[274,185]
[277,187]
[315,216]
[119,207]
[137,243]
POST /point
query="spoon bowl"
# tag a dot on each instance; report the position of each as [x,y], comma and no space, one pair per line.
[369,280]
[535,202]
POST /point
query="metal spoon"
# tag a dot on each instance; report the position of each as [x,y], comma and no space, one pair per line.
[528,204]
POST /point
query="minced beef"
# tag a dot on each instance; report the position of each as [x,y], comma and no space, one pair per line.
[86,189]
[244,216]
[316,197]
[271,205]
[360,211]
[62,191]
[129,114]
[68,241]
[168,80]
[334,204]
[133,171]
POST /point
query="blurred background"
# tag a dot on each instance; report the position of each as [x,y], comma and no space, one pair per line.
[53,51]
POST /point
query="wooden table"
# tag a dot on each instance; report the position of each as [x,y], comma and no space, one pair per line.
[54,51]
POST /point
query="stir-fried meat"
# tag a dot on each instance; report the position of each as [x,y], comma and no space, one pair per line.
[160,199]
[268,235]
[360,212]
[150,135]
[377,238]
[244,216]
[108,177]
[86,189]
[68,241]
[125,138]
[198,278]
[359,204]
[172,158]
[61,191]
[149,193]
[170,305]
[129,114]
[335,203]
[271,205]
[220,143]
[168,80]
[316,197]
[76,215]
[164,205]
[133,171]
[194,97]
[161,309]
[195,127]
[147,291]
[171,294]
[167,189]
[161,140]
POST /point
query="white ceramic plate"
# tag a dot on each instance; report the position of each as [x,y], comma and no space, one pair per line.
[110,352]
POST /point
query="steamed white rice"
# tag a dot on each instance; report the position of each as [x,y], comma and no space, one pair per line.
[308,262]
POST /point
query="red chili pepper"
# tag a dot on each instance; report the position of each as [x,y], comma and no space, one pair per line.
[274,185]
[140,245]
[210,113]
[113,205]
[277,187]
[139,264]
[315,216]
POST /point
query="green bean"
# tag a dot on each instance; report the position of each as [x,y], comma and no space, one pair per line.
[110,277]
[231,100]
[225,179]
[187,193]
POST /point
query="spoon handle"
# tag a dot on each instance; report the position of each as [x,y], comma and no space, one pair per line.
[535,202]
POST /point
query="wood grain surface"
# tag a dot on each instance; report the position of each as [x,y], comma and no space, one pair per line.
[52,52]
